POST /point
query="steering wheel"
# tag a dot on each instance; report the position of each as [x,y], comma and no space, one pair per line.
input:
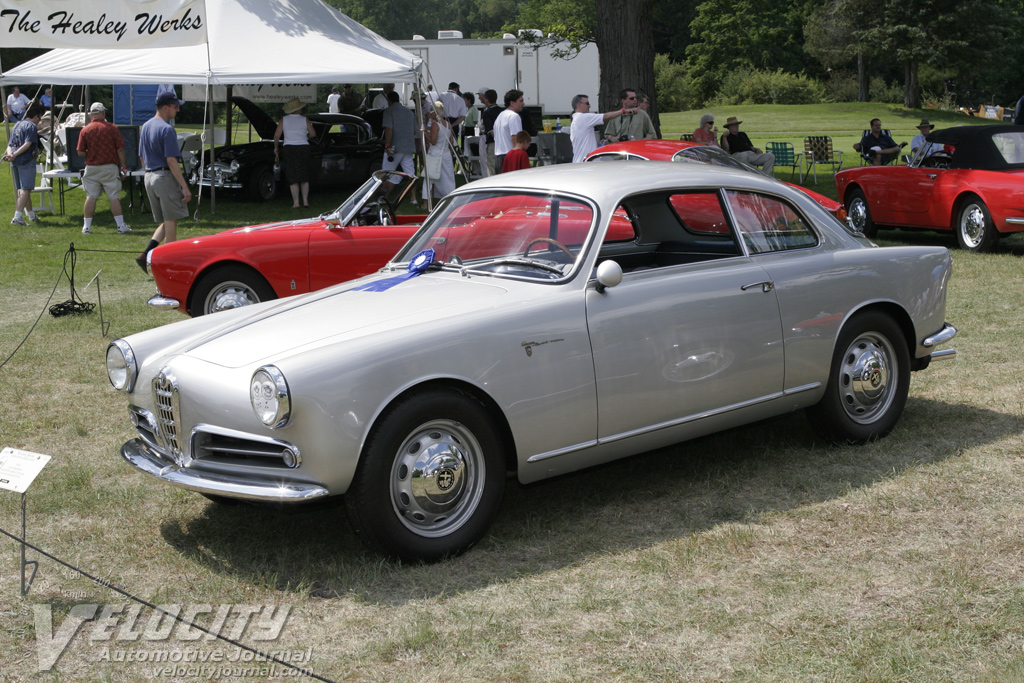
[548,240]
[385,214]
[938,160]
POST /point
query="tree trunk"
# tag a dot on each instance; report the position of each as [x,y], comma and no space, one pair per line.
[911,88]
[863,78]
[625,41]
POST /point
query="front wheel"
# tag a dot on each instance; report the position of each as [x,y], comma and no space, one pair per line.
[430,480]
[229,287]
[975,230]
[868,382]
[858,214]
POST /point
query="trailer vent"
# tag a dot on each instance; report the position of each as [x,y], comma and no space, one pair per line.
[449,35]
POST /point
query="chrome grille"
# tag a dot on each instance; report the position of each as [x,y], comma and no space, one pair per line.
[212,444]
[165,397]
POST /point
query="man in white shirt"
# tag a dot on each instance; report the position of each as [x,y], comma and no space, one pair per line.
[332,100]
[918,140]
[454,107]
[17,105]
[506,126]
[581,132]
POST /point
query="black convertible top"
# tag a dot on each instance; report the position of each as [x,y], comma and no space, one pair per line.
[992,148]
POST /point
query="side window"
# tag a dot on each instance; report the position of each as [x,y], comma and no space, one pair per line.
[700,212]
[767,224]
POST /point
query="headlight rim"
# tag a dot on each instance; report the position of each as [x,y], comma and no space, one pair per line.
[131,365]
[283,414]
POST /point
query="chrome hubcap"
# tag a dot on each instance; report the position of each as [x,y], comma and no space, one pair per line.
[866,378]
[231,295]
[972,225]
[437,478]
[858,215]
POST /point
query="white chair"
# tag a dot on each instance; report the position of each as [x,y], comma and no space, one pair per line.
[44,192]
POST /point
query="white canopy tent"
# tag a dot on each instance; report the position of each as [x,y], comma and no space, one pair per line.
[249,41]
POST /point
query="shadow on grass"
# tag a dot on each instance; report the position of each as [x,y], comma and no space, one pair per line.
[659,496]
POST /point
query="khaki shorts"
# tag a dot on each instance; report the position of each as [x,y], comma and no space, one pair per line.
[102,178]
[165,196]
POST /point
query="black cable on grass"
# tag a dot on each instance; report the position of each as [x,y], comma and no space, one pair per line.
[156,608]
[74,305]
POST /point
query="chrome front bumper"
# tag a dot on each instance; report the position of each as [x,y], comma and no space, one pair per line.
[158,300]
[941,337]
[143,458]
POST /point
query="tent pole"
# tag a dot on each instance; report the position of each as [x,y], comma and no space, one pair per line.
[213,145]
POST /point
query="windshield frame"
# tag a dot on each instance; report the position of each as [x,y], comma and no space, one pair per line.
[431,225]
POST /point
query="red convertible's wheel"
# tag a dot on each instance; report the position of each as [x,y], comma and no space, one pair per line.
[868,384]
[975,230]
[859,215]
[229,287]
[430,480]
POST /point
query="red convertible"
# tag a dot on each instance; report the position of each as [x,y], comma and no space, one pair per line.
[262,262]
[974,187]
[694,152]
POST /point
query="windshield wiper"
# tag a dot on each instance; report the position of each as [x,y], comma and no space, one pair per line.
[530,263]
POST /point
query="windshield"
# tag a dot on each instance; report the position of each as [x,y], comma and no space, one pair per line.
[715,156]
[382,185]
[514,234]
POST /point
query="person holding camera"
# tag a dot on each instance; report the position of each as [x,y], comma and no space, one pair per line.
[581,132]
[636,126]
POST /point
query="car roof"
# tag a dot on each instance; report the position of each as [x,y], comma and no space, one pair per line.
[610,181]
[975,146]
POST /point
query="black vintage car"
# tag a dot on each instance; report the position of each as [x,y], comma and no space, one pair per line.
[345,152]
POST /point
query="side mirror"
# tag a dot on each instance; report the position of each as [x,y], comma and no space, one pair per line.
[333,220]
[609,274]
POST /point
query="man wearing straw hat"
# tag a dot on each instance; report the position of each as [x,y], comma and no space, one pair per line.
[918,140]
[739,145]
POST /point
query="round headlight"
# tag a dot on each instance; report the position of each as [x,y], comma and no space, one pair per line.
[268,393]
[121,367]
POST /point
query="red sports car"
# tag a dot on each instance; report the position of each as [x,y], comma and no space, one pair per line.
[694,152]
[261,262]
[974,187]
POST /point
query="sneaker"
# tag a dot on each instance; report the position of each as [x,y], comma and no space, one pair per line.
[19,221]
[86,230]
[32,218]
[124,229]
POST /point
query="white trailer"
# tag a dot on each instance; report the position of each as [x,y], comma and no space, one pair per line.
[504,64]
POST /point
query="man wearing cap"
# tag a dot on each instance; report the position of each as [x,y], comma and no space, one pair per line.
[918,140]
[333,101]
[102,146]
[165,183]
[739,145]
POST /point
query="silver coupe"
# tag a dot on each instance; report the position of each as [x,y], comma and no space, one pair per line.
[539,322]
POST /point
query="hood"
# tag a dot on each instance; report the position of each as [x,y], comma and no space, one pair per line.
[337,314]
[262,122]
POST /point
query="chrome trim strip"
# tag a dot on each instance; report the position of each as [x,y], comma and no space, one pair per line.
[1015,221]
[163,302]
[806,387]
[138,455]
[942,336]
[561,451]
[945,354]
[666,425]
[235,434]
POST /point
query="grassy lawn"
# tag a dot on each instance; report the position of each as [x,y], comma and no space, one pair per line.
[760,554]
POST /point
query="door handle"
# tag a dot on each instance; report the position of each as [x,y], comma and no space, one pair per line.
[765,286]
[932,176]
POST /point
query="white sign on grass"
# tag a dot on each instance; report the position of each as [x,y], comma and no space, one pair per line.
[102,24]
[19,468]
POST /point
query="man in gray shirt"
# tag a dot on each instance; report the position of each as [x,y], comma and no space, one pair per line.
[399,138]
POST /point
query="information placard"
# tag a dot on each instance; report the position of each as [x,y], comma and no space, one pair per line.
[19,468]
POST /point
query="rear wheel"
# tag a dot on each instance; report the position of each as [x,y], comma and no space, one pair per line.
[858,214]
[868,383]
[431,478]
[975,230]
[229,287]
[262,185]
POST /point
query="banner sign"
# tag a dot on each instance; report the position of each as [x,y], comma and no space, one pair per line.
[102,24]
[266,93]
